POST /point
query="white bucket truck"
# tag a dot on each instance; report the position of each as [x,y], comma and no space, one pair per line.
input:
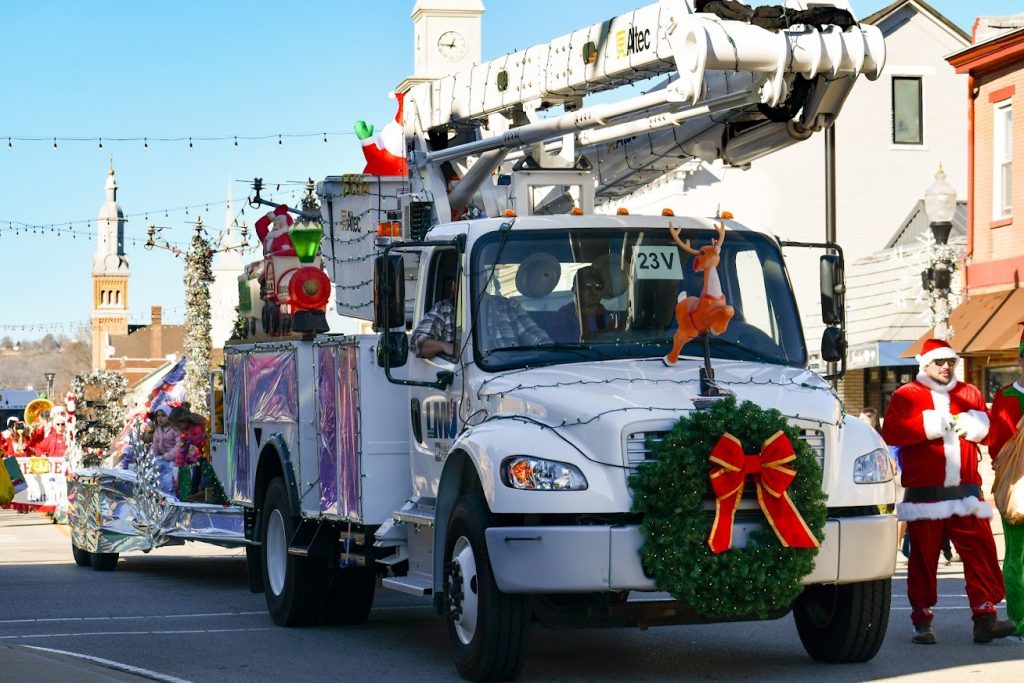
[496,477]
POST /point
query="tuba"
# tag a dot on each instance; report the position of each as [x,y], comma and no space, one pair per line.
[35,407]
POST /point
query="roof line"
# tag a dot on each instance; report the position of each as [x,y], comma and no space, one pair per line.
[922,5]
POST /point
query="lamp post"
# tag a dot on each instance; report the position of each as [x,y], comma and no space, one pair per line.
[939,206]
[49,383]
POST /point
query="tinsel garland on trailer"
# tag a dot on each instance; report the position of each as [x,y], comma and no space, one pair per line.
[198,276]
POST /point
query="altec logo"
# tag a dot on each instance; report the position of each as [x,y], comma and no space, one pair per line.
[632,41]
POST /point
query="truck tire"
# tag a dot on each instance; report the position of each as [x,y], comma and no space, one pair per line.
[83,558]
[103,562]
[487,629]
[350,595]
[844,623]
[294,589]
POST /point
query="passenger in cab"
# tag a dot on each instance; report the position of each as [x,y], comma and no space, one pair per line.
[585,317]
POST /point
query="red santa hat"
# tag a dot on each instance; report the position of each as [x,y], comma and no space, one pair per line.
[283,211]
[935,349]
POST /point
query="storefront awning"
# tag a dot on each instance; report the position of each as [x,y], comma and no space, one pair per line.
[984,323]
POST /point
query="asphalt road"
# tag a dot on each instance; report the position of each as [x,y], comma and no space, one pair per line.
[185,613]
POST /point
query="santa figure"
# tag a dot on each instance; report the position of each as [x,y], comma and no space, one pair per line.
[937,423]
[71,404]
[385,153]
[272,229]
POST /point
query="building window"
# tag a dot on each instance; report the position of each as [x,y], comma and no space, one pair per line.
[998,377]
[1002,155]
[907,111]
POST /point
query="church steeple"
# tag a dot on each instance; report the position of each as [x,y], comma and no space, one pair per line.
[109,275]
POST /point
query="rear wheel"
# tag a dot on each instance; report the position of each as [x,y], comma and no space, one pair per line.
[83,558]
[487,629]
[294,589]
[104,562]
[843,623]
[350,595]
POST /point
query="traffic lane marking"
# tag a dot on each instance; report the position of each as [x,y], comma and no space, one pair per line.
[136,633]
[111,664]
[204,615]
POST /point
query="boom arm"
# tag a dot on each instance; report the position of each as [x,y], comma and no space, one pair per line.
[732,91]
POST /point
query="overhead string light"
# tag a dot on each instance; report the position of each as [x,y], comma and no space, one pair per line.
[192,140]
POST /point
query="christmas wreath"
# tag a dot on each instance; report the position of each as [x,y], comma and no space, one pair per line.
[676,496]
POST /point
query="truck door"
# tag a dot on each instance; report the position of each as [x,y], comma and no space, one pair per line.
[434,413]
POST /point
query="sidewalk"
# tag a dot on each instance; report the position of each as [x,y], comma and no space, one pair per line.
[19,663]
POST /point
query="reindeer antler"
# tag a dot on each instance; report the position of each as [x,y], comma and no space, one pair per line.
[683,244]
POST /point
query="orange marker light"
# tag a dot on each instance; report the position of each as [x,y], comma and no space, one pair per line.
[668,212]
[622,211]
[576,211]
[509,213]
[521,471]
[727,215]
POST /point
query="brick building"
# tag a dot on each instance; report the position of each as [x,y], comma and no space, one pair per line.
[985,324]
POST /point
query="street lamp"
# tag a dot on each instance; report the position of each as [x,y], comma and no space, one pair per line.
[939,206]
[49,384]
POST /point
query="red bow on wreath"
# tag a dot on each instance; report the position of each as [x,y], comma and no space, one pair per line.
[771,476]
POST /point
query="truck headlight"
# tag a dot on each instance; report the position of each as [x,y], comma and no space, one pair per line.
[536,474]
[873,468]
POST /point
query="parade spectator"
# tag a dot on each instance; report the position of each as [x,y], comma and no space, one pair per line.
[937,422]
[1007,410]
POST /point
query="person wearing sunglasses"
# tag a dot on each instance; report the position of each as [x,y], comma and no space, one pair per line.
[938,421]
[585,317]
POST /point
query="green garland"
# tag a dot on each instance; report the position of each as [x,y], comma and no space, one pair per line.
[762,577]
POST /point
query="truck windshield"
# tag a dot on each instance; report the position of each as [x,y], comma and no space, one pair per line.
[541,298]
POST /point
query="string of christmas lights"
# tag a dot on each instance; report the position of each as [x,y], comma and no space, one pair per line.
[74,325]
[191,140]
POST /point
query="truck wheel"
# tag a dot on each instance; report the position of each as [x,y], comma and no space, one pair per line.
[843,623]
[487,629]
[104,562]
[293,588]
[350,595]
[83,558]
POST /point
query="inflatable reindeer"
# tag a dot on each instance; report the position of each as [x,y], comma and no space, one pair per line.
[708,313]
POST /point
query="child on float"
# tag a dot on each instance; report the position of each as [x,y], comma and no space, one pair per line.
[163,445]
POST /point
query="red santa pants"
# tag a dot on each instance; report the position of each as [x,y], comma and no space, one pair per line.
[972,538]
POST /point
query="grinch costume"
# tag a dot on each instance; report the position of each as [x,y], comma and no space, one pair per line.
[937,428]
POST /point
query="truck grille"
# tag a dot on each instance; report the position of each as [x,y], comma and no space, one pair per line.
[639,446]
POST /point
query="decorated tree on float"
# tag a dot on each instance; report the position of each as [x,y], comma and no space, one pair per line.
[100,412]
[198,347]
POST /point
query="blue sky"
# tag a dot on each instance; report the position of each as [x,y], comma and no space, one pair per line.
[190,68]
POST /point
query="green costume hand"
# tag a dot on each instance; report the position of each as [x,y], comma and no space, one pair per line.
[363,130]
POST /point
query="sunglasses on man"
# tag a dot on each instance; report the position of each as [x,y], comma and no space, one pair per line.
[948,362]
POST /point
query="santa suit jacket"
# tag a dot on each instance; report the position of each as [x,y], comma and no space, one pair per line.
[933,456]
[276,241]
[1006,412]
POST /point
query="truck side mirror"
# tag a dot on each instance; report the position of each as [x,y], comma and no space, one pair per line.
[833,345]
[833,291]
[388,293]
[393,350]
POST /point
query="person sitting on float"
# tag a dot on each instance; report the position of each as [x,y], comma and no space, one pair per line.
[55,443]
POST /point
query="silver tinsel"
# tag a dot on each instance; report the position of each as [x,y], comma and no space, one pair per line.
[146,491]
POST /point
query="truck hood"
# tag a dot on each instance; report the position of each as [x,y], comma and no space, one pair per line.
[594,404]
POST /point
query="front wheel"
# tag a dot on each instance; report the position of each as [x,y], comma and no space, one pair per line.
[844,623]
[293,587]
[487,629]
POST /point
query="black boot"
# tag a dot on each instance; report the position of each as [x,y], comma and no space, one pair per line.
[987,628]
[923,633]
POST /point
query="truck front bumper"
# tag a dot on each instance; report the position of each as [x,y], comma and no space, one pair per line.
[588,559]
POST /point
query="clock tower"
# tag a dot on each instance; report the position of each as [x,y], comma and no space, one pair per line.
[109,275]
[446,39]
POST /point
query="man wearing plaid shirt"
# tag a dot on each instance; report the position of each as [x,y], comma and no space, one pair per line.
[505,321]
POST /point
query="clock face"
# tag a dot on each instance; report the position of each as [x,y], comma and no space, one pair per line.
[452,45]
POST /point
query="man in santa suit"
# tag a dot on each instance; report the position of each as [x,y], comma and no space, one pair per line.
[273,232]
[1007,409]
[937,422]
